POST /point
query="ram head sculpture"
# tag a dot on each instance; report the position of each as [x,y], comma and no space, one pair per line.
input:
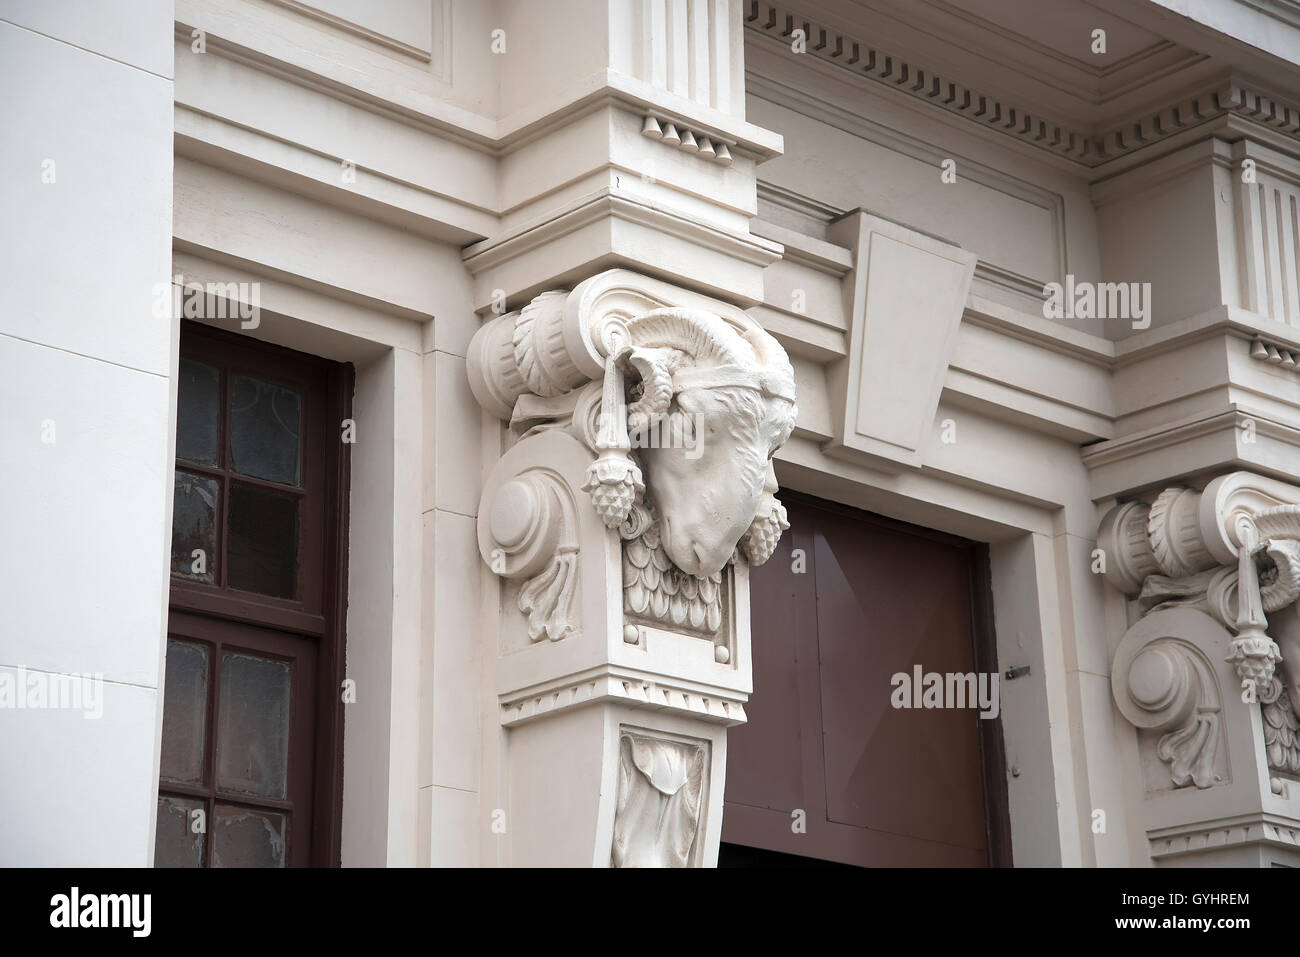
[683,409]
[710,406]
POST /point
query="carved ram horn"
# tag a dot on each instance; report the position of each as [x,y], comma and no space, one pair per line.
[656,387]
[705,337]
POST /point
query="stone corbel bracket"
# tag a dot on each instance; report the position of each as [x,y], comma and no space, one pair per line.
[582,377]
[1213,543]
[1227,555]
[622,636]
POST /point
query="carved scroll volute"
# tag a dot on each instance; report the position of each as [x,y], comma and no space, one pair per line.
[526,531]
[1162,680]
[523,526]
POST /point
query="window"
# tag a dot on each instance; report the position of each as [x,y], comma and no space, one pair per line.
[250,772]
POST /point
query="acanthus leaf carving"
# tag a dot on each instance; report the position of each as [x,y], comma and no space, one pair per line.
[547,598]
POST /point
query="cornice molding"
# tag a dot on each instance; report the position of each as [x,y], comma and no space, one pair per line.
[1087,81]
[605,204]
[1088,148]
[1287,11]
[499,136]
[1152,440]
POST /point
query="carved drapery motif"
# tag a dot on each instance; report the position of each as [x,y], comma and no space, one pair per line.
[657,814]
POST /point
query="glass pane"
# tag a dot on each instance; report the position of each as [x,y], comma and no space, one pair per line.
[253,727]
[178,838]
[242,837]
[262,554]
[185,712]
[198,411]
[265,422]
[194,527]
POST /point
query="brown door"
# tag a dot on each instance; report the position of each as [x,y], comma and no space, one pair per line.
[827,767]
[250,771]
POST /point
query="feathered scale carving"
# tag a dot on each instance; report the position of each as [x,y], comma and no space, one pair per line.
[655,588]
[655,578]
[659,601]
[696,612]
[713,617]
[636,599]
[1282,734]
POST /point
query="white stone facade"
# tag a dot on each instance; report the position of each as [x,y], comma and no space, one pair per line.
[535,228]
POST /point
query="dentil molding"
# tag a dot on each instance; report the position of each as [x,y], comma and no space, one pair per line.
[1089,148]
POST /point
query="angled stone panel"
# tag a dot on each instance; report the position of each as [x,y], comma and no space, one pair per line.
[905,296]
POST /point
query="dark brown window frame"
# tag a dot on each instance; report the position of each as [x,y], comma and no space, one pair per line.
[321,610]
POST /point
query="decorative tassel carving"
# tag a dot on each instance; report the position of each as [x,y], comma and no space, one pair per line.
[1252,652]
[614,480]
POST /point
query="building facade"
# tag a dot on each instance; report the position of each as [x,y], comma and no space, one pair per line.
[650,432]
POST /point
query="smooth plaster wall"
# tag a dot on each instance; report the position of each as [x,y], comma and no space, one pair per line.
[87,516]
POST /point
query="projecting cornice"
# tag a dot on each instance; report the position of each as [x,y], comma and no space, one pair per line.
[1230,97]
